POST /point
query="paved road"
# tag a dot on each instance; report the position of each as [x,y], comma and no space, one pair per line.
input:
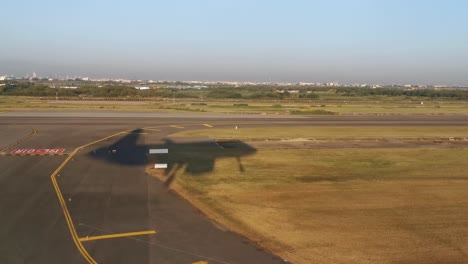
[107,194]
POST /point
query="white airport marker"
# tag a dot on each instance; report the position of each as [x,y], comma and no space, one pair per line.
[158,151]
[217,144]
[160,166]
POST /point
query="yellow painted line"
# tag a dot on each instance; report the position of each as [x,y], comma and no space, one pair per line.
[33,132]
[102,139]
[207,125]
[68,218]
[71,227]
[63,204]
[140,233]
[152,129]
[177,126]
[200,262]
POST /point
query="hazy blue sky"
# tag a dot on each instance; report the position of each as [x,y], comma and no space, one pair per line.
[377,41]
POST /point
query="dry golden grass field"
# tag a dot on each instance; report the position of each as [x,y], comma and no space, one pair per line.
[349,205]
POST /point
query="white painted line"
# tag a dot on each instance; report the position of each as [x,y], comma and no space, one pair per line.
[158,151]
[207,125]
[217,144]
[160,166]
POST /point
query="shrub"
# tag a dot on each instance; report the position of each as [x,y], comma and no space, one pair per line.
[313,112]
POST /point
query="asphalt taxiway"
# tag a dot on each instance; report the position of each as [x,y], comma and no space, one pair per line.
[90,207]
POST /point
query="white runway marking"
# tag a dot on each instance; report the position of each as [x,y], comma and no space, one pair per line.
[217,144]
[160,166]
[158,151]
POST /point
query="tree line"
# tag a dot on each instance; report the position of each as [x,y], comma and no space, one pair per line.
[428,93]
[38,89]
[243,92]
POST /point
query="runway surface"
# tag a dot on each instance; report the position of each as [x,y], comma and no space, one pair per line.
[77,214]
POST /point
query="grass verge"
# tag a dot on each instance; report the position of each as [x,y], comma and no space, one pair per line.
[331,132]
[324,107]
[342,205]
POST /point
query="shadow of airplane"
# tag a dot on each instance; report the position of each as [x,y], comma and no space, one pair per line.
[197,157]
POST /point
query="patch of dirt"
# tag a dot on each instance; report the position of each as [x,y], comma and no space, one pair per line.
[361,143]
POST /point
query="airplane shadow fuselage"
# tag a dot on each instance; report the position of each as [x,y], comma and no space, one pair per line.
[197,157]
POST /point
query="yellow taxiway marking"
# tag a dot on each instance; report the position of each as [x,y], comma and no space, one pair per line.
[63,204]
[207,125]
[33,132]
[152,129]
[140,233]
[200,262]
[177,126]
[71,227]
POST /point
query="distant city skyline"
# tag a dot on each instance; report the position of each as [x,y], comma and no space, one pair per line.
[355,41]
[54,77]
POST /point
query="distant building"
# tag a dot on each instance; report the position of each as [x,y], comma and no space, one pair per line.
[332,84]
[142,87]
[307,84]
[123,81]
[199,86]
[6,78]
[287,91]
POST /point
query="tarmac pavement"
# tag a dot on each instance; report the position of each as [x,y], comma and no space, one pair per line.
[105,198]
